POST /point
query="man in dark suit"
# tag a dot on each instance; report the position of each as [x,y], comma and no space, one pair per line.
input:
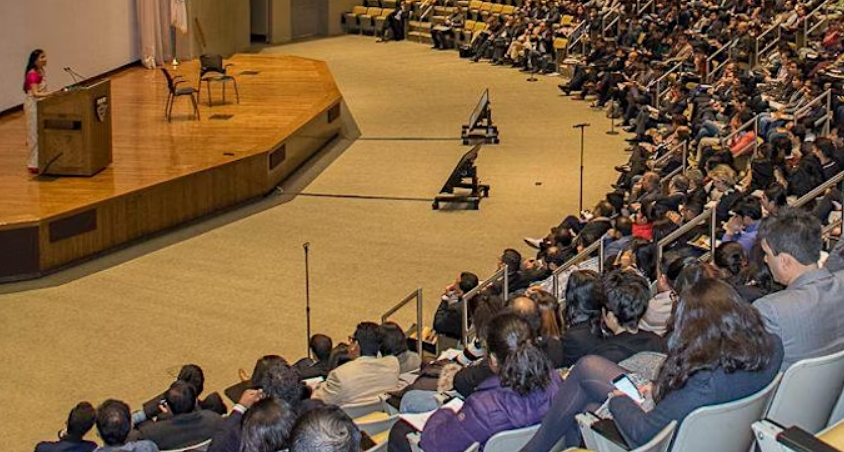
[79,422]
[321,346]
[187,426]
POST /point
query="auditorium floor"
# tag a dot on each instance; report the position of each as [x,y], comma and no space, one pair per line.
[223,292]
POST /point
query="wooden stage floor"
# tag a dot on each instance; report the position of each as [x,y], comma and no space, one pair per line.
[164,174]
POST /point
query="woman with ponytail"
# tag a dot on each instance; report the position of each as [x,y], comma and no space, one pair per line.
[517,395]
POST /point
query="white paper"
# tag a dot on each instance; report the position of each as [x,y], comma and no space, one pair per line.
[418,420]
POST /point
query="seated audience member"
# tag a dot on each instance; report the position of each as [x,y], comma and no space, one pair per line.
[528,309]
[326,429]
[339,355]
[320,345]
[719,352]
[365,377]
[743,225]
[449,317]
[660,306]
[72,439]
[275,379]
[582,315]
[551,326]
[808,314]
[394,343]
[518,395]
[627,295]
[190,373]
[267,426]
[187,426]
[114,422]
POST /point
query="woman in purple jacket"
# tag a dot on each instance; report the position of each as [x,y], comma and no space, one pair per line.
[517,396]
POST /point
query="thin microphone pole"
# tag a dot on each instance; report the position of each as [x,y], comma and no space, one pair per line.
[612,130]
[582,128]
[307,297]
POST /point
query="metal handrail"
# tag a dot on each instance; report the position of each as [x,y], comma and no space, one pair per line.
[581,256]
[819,190]
[712,72]
[665,158]
[659,92]
[501,274]
[825,96]
[754,123]
[616,17]
[776,28]
[415,295]
[707,215]
[807,29]
[641,9]
[577,36]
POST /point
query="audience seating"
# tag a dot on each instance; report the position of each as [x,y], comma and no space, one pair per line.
[659,443]
[352,19]
[769,438]
[837,412]
[357,410]
[507,441]
[732,421]
[367,21]
[808,393]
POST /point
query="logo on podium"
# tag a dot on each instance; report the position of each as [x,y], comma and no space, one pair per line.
[101,107]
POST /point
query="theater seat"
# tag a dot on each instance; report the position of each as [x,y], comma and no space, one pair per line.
[659,443]
[506,441]
[808,393]
[732,421]
[352,19]
[367,21]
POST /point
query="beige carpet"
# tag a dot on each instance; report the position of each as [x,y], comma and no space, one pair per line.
[226,291]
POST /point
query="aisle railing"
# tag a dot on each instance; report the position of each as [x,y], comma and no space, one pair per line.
[413,296]
[708,215]
[719,60]
[662,86]
[821,189]
[500,275]
[765,42]
[585,254]
[824,99]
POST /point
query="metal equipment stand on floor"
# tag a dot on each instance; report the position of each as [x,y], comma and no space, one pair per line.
[480,128]
[464,177]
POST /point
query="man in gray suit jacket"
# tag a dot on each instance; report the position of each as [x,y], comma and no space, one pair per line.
[809,314]
[364,378]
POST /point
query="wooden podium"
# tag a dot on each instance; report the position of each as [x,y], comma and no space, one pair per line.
[74,130]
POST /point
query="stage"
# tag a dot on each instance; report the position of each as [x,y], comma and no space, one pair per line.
[165,174]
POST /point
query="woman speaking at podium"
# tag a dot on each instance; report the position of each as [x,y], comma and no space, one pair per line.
[35,87]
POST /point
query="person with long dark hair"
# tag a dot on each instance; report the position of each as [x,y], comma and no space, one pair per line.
[718,352]
[35,87]
[582,315]
[517,395]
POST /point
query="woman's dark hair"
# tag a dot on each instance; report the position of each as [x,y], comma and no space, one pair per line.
[712,327]
[674,261]
[729,256]
[393,340]
[31,64]
[261,367]
[645,254]
[584,300]
[266,426]
[691,274]
[192,374]
[776,194]
[339,355]
[521,365]
[551,325]
[482,308]
[80,420]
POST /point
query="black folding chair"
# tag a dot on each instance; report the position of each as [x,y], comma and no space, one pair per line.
[212,70]
[175,91]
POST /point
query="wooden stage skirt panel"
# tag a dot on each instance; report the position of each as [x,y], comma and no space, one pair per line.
[165,173]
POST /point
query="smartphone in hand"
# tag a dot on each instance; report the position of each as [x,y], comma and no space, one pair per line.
[624,384]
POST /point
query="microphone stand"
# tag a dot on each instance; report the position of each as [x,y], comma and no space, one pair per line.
[582,128]
[612,130]
[307,297]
